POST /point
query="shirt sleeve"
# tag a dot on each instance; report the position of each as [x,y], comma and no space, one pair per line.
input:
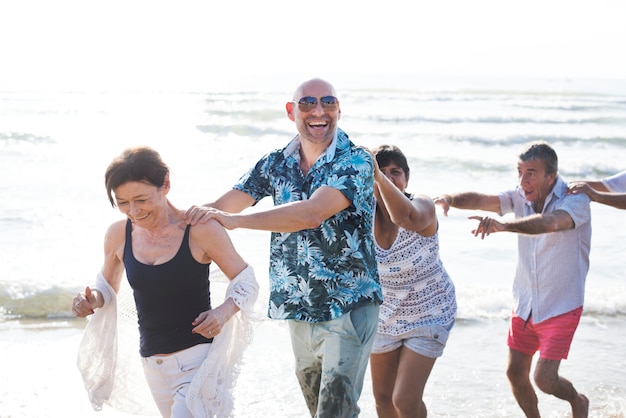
[256,181]
[577,206]
[507,201]
[616,183]
[353,177]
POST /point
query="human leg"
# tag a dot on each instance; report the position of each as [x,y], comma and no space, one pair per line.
[384,369]
[169,378]
[345,354]
[523,344]
[413,372]
[308,364]
[421,347]
[161,391]
[556,335]
[548,380]
[332,356]
[518,373]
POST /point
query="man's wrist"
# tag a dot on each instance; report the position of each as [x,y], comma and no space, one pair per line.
[449,199]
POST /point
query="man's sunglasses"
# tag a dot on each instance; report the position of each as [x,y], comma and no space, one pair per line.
[308,103]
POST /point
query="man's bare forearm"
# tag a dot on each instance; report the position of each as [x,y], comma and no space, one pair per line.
[540,224]
[474,200]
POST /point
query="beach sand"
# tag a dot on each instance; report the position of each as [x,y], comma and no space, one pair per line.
[468,381]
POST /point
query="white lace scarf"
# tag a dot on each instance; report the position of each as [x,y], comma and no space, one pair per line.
[108,357]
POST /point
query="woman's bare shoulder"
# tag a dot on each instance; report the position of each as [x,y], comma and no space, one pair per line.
[116,232]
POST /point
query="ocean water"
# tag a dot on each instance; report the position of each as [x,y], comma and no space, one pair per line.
[458,135]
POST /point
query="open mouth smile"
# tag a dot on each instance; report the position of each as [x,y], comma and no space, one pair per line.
[318,124]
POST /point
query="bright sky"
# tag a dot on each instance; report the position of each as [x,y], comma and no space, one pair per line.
[142,44]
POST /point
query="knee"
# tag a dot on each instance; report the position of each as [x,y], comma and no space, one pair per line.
[545,381]
[516,374]
[408,405]
[383,399]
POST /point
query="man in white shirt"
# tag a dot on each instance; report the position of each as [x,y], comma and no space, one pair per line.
[554,238]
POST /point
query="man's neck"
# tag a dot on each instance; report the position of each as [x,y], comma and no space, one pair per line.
[540,203]
[308,157]
[310,152]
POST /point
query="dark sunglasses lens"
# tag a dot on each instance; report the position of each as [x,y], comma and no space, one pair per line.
[308,102]
[329,101]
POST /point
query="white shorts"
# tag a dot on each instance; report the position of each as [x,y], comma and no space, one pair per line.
[428,341]
[169,378]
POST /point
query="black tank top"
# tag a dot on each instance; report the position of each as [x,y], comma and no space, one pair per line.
[168,297]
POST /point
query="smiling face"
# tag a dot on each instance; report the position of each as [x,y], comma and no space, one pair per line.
[534,181]
[319,124]
[142,202]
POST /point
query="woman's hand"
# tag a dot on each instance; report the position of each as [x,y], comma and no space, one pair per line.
[209,323]
[84,304]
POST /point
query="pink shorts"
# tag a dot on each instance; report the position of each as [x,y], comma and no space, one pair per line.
[552,337]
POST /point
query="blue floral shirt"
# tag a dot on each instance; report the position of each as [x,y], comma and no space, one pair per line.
[321,273]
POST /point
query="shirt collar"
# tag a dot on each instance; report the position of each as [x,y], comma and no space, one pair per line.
[559,187]
[294,146]
[558,191]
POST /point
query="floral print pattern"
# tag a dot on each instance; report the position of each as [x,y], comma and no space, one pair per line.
[321,273]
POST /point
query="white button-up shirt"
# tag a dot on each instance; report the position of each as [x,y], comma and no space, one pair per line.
[551,267]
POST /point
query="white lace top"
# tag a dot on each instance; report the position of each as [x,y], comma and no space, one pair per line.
[417,290]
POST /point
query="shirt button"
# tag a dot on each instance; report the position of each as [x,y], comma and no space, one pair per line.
[159,361]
